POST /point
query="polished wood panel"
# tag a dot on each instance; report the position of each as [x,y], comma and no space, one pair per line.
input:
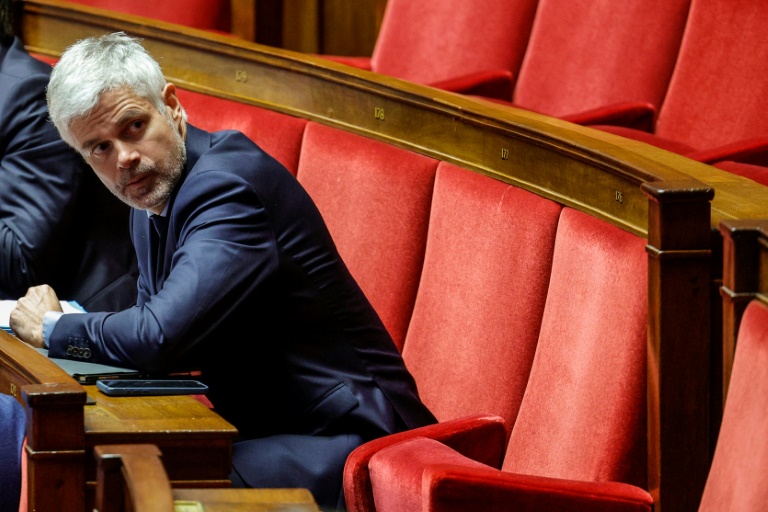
[137,471]
[67,420]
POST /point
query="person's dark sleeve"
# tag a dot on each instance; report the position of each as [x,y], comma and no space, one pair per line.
[226,250]
[40,177]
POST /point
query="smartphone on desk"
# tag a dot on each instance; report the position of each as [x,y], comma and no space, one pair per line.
[147,387]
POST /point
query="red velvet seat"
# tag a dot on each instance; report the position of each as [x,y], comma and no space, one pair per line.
[601,61]
[469,47]
[583,414]
[278,134]
[213,15]
[715,107]
[737,477]
[376,207]
[480,301]
[475,324]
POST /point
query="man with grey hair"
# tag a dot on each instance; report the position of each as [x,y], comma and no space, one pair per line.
[239,279]
[57,223]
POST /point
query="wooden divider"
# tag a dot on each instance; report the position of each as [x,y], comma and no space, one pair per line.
[663,197]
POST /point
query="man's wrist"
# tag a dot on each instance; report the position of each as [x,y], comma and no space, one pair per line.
[49,323]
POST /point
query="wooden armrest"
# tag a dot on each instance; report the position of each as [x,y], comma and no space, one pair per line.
[137,470]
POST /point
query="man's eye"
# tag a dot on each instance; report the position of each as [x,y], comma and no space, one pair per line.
[136,126]
[99,149]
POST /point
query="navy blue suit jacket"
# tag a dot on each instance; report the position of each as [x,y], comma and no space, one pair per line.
[244,282]
[58,224]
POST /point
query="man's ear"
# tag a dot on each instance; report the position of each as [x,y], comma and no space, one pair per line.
[172,102]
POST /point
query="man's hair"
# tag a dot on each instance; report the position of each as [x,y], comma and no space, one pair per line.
[96,65]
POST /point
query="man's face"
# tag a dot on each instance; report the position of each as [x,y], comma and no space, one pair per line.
[136,151]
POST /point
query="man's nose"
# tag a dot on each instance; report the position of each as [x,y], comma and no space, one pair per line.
[127,155]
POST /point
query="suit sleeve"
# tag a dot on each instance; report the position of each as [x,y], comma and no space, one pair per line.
[226,249]
[40,176]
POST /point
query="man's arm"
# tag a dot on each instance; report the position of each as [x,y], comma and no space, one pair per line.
[40,176]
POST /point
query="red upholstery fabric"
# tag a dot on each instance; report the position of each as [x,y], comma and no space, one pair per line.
[737,477]
[396,472]
[478,311]
[23,499]
[756,173]
[481,438]
[587,54]
[453,482]
[457,489]
[377,209]
[716,102]
[583,416]
[717,93]
[278,134]
[203,14]
[432,42]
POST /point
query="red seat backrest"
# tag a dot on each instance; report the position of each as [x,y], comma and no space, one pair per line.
[717,94]
[481,297]
[583,416]
[375,199]
[278,134]
[737,477]
[585,54]
[427,42]
[203,14]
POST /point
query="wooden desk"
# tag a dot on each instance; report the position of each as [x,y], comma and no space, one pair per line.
[66,420]
[133,478]
[196,442]
[246,500]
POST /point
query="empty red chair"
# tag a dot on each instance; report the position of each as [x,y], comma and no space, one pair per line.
[603,61]
[376,205]
[213,15]
[715,107]
[737,477]
[469,47]
[583,414]
[492,243]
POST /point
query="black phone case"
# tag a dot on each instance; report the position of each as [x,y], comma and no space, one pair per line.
[145,387]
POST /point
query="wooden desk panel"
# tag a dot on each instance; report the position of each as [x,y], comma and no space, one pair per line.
[248,500]
[66,420]
[196,442]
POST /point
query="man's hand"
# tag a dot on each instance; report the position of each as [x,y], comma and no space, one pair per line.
[27,317]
